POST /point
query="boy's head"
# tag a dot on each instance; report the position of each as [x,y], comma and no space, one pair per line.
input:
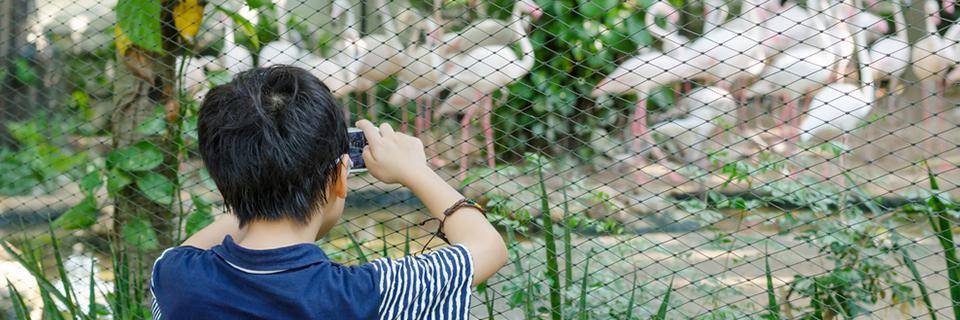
[274,140]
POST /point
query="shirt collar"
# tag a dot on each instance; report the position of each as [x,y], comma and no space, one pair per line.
[269,260]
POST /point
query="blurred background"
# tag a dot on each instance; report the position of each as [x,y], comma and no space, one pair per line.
[772,159]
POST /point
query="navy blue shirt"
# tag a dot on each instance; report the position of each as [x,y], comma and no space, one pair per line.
[300,282]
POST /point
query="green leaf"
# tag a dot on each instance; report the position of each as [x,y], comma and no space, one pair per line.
[596,9]
[91,181]
[200,217]
[142,156]
[245,26]
[140,22]
[219,77]
[116,180]
[256,4]
[665,304]
[140,234]
[156,187]
[24,72]
[81,216]
[156,125]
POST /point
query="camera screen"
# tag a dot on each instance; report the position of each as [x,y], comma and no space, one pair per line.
[357,142]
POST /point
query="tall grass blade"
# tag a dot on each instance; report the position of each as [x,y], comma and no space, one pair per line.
[567,243]
[383,239]
[773,309]
[665,305]
[943,228]
[553,269]
[518,271]
[815,302]
[406,243]
[356,246]
[924,295]
[20,310]
[484,289]
[117,304]
[71,296]
[33,265]
[528,297]
[92,309]
[632,300]
[583,286]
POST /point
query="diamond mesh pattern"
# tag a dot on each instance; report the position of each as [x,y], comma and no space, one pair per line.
[733,154]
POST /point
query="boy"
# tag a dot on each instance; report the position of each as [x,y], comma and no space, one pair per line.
[275,144]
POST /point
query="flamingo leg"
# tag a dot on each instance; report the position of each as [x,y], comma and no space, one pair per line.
[891,96]
[418,120]
[938,126]
[785,116]
[486,122]
[465,142]
[637,128]
[843,161]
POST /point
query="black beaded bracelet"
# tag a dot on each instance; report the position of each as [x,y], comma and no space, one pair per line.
[460,204]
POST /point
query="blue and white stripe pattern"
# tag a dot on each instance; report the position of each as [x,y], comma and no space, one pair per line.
[430,286]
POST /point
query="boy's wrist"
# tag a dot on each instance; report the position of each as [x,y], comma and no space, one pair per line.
[418,176]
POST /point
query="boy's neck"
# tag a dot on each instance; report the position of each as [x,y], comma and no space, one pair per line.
[261,235]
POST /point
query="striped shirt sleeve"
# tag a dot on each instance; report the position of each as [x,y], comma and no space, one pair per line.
[429,286]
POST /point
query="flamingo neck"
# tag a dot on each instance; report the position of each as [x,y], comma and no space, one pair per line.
[671,40]
[388,20]
[930,21]
[526,48]
[864,61]
[900,22]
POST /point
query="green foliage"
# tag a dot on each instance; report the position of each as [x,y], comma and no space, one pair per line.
[81,216]
[40,157]
[773,309]
[553,269]
[937,207]
[156,187]
[142,156]
[924,294]
[57,302]
[139,234]
[200,217]
[860,274]
[665,304]
[248,29]
[140,22]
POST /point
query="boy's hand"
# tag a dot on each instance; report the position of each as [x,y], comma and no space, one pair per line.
[392,157]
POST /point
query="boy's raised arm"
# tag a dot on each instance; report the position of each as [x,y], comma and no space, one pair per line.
[398,158]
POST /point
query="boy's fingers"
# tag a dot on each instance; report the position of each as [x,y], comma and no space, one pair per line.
[386,130]
[370,132]
[367,155]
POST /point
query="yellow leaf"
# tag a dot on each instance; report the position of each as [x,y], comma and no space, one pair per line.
[121,40]
[187,16]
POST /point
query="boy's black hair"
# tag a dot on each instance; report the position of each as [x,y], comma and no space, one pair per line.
[271,140]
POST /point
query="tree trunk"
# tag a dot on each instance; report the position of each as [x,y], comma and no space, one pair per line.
[144,82]
[20,99]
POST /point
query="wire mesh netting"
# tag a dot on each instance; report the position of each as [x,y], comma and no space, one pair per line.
[643,159]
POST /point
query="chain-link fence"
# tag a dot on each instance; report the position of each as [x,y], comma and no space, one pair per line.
[644,159]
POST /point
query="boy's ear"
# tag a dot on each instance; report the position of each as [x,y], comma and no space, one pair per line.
[340,185]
